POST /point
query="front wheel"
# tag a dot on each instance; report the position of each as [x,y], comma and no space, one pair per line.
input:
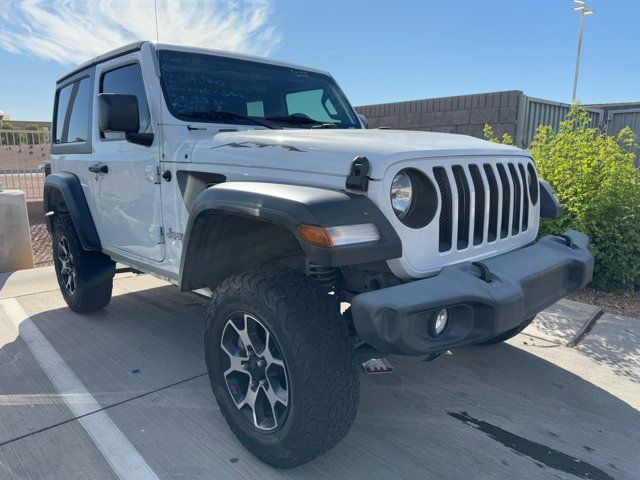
[281,364]
[85,278]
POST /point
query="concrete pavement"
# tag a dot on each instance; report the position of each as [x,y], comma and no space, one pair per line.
[123,393]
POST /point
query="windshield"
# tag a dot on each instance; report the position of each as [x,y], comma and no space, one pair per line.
[207,88]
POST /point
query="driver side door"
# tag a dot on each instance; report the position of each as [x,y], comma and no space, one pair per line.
[127,194]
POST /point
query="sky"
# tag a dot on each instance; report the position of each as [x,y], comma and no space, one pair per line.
[378,50]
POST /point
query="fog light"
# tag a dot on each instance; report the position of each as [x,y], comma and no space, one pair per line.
[441,321]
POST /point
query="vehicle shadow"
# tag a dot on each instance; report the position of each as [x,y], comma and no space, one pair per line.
[614,343]
[492,412]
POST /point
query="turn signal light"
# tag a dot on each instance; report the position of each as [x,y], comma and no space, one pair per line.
[316,235]
[340,235]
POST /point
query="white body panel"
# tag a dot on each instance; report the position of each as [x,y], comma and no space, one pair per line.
[310,157]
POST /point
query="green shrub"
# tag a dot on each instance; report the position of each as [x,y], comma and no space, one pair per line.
[490,134]
[599,186]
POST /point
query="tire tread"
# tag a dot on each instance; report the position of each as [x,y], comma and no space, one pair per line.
[316,333]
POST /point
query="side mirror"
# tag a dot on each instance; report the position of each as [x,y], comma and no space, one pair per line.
[364,120]
[118,113]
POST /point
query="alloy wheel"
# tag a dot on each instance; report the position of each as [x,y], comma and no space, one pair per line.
[254,371]
[67,268]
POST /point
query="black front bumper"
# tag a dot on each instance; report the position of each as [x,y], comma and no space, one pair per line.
[484,299]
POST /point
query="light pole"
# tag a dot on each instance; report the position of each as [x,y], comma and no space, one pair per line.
[584,11]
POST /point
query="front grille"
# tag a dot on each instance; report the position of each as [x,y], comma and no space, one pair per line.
[440,175]
[494,202]
[481,202]
[478,218]
[506,201]
[464,204]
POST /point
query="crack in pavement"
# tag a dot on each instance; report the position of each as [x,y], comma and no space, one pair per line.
[107,407]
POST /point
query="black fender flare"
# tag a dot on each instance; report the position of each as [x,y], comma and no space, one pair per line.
[287,206]
[63,193]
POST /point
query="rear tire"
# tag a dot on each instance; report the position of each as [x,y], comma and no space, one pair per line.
[85,278]
[508,334]
[316,388]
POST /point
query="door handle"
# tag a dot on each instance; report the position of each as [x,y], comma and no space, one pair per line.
[99,168]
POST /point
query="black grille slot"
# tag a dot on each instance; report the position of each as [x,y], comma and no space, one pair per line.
[525,202]
[517,199]
[506,201]
[464,206]
[442,180]
[478,221]
[493,203]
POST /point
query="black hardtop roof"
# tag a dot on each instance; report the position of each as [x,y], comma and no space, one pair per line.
[131,47]
[135,46]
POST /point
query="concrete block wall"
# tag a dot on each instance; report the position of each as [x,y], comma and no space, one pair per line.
[18,157]
[464,114]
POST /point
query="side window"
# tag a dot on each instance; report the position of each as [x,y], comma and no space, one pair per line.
[128,81]
[62,104]
[309,103]
[73,109]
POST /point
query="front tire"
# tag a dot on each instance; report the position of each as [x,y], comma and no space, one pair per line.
[282,365]
[85,278]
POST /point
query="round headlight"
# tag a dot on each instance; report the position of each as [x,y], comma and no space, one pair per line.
[413,198]
[401,194]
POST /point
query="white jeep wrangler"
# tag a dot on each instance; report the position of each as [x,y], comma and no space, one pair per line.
[255,180]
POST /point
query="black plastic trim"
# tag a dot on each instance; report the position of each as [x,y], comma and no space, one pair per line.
[118,52]
[291,206]
[550,206]
[68,186]
[484,299]
[191,184]
[358,178]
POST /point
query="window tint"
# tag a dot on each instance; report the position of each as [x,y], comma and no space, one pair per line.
[62,104]
[201,88]
[255,109]
[73,111]
[309,103]
[79,119]
[127,81]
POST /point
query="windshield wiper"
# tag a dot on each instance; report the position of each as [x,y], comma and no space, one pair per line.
[221,115]
[297,119]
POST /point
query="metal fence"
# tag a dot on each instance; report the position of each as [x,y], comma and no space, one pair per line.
[17,171]
[24,137]
[30,181]
[619,119]
[533,112]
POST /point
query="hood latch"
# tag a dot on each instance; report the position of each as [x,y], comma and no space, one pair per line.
[358,178]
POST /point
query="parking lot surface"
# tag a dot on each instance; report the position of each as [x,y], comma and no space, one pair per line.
[123,393]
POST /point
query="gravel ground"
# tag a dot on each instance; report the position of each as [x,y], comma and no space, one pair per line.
[41,245]
[626,304]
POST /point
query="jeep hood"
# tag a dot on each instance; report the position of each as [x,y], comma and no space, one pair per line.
[331,151]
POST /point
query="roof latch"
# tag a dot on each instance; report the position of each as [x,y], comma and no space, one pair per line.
[358,178]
